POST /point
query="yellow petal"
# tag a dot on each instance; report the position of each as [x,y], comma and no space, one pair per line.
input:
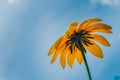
[70,32]
[99,26]
[63,58]
[56,55]
[94,49]
[88,22]
[73,25]
[100,39]
[70,58]
[52,50]
[63,42]
[72,28]
[107,31]
[55,46]
[58,41]
[78,56]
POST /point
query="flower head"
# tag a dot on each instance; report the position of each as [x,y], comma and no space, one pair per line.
[78,39]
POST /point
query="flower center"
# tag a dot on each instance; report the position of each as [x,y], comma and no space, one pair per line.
[78,39]
[75,37]
[78,36]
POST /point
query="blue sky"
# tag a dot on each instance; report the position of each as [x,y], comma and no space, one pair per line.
[29,27]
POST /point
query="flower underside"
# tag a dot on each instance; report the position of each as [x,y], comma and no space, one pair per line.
[79,38]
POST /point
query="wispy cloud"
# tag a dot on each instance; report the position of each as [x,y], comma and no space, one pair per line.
[107,2]
[14,1]
[11,1]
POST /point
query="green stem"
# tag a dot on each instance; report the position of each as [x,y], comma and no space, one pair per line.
[87,67]
[85,61]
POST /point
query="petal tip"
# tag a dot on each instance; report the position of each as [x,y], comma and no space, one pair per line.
[52,62]
[70,66]
[63,67]
[48,54]
[101,56]
[81,62]
[109,45]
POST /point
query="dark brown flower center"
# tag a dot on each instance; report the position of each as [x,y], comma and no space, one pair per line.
[79,38]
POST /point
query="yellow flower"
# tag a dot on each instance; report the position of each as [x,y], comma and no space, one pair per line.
[77,39]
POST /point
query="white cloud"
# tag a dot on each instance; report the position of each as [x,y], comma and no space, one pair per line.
[11,1]
[15,2]
[107,2]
